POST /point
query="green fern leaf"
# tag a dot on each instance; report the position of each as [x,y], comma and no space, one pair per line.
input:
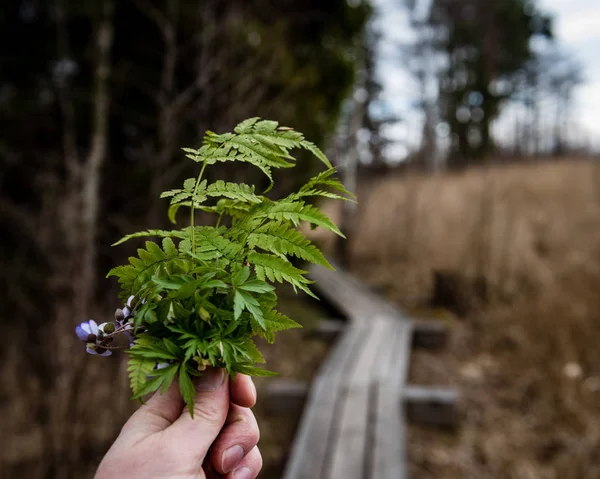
[296,212]
[210,244]
[235,191]
[278,269]
[147,233]
[246,125]
[314,187]
[169,247]
[279,239]
[315,150]
[139,369]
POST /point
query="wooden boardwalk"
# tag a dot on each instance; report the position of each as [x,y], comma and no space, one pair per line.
[352,426]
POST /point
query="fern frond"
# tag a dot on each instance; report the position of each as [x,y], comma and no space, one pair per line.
[280,239]
[274,322]
[234,209]
[147,233]
[258,142]
[210,244]
[274,268]
[188,192]
[139,369]
[316,151]
[297,211]
[323,180]
[234,191]
[143,268]
[246,125]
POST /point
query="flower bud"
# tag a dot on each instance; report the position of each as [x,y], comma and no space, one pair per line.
[107,328]
[131,301]
[205,315]
[202,363]
[119,315]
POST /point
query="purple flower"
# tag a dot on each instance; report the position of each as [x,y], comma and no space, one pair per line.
[87,331]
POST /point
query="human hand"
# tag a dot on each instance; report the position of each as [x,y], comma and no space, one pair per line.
[161,440]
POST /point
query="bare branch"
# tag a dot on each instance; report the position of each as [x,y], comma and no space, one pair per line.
[99,144]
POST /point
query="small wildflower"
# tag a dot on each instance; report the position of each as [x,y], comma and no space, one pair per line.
[87,331]
[159,366]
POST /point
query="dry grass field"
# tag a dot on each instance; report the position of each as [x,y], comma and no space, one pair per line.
[525,354]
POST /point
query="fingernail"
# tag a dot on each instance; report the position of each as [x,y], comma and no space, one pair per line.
[243,473]
[231,458]
[211,380]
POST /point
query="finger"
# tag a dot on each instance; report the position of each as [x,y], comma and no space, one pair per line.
[194,436]
[237,438]
[159,412]
[249,467]
[243,391]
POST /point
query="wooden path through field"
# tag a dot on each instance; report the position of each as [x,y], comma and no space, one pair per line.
[353,421]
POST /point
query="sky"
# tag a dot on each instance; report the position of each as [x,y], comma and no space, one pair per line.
[576,28]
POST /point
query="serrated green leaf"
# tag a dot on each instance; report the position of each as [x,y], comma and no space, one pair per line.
[282,240]
[139,369]
[240,277]
[249,370]
[278,269]
[143,234]
[256,286]
[189,184]
[186,387]
[169,247]
[251,351]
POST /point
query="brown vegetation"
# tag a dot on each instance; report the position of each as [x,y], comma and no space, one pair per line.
[524,357]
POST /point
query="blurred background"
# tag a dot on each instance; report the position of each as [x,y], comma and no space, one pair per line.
[468,128]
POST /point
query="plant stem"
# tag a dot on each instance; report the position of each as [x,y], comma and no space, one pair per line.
[192,209]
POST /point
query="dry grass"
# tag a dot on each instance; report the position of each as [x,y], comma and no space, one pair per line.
[527,364]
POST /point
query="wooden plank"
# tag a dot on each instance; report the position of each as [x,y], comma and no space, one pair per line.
[308,453]
[389,438]
[353,425]
[430,334]
[349,444]
[431,406]
[346,293]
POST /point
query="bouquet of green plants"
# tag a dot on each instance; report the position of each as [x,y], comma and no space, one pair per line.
[198,296]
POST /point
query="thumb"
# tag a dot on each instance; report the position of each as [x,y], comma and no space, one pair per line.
[211,406]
